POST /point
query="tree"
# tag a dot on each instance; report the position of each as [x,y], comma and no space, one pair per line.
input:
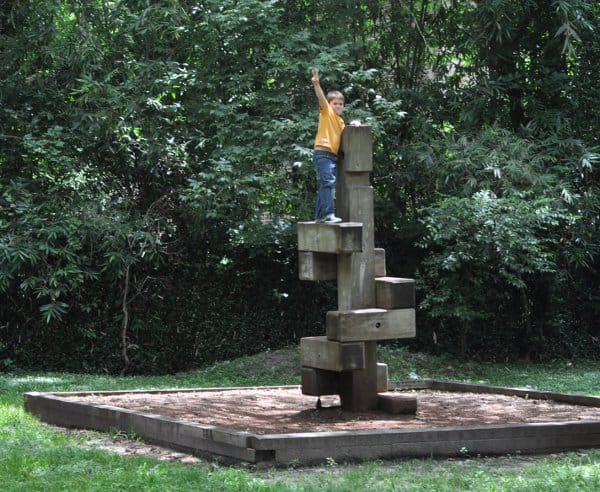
[154,157]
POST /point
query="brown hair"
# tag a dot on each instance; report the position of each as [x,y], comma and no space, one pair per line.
[334,95]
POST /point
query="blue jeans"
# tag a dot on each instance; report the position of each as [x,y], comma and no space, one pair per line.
[325,167]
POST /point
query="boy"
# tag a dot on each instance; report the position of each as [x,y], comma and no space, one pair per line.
[327,144]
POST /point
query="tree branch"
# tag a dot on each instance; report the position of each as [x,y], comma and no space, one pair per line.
[125,310]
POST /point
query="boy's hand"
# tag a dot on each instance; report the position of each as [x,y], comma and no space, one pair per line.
[318,91]
[315,76]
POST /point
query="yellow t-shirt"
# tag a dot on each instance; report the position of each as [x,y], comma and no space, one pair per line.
[329,132]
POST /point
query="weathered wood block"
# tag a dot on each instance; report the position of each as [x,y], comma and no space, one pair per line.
[394,292]
[370,324]
[356,273]
[357,144]
[317,382]
[358,389]
[323,266]
[317,266]
[350,239]
[397,404]
[320,353]
[379,265]
[341,237]
[382,377]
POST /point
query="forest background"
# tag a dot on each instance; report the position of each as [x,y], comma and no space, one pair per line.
[156,155]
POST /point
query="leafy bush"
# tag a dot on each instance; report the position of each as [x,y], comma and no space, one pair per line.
[487,275]
[154,158]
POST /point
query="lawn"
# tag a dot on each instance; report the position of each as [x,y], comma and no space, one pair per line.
[37,457]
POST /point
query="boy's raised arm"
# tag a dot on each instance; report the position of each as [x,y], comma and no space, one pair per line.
[318,91]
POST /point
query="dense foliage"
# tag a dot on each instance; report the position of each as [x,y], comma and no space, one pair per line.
[155,155]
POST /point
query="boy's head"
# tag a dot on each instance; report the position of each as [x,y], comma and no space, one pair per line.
[336,101]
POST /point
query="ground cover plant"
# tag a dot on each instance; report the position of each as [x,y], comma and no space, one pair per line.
[37,457]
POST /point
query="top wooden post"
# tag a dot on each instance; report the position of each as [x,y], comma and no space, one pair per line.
[357,146]
[354,201]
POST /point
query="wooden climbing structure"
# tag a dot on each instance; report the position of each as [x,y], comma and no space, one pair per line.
[371,305]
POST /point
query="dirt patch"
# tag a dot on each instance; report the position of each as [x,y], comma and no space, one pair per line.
[123,445]
[285,410]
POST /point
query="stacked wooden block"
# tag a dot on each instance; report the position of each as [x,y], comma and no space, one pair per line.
[371,305]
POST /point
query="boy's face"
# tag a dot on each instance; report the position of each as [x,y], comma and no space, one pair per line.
[337,105]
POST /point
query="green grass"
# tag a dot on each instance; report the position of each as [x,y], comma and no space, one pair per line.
[562,376]
[36,457]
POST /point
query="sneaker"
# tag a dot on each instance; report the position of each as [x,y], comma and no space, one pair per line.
[332,219]
[320,221]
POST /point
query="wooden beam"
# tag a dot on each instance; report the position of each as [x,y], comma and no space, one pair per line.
[320,353]
[357,142]
[317,266]
[379,265]
[370,324]
[341,237]
[394,292]
[397,403]
[382,377]
[318,382]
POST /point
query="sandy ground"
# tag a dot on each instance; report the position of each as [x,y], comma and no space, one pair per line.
[284,410]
